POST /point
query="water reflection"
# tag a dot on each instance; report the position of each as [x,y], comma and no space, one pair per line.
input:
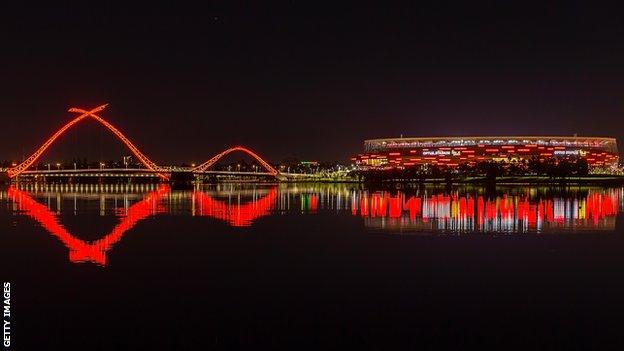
[423,210]
[235,211]
[79,250]
[504,213]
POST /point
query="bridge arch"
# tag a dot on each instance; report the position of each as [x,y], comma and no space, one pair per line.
[204,166]
[15,171]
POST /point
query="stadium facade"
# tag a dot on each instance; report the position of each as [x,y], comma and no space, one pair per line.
[453,151]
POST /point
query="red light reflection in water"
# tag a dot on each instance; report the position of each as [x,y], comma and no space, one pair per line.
[82,251]
[237,214]
[503,213]
[79,250]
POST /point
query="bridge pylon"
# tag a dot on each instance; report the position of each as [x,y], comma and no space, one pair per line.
[4,178]
[181,179]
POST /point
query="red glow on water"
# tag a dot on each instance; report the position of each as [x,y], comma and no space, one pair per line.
[80,250]
[151,204]
[502,213]
[520,211]
[236,214]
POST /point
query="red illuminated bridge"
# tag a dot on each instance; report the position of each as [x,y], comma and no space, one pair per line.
[151,169]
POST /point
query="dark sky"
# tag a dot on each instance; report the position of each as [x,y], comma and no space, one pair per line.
[306,79]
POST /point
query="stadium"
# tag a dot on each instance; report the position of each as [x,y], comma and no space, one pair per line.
[453,151]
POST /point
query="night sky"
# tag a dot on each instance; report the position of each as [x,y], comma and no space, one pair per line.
[307,80]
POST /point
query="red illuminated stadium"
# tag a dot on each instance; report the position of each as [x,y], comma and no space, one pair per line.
[452,151]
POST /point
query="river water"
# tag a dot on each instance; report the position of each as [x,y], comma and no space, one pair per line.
[311,266]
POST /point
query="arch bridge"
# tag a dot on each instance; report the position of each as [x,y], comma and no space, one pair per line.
[151,168]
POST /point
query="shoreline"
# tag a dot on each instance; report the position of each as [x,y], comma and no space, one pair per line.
[598,180]
[514,180]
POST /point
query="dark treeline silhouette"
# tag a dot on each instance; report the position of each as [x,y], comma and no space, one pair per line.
[487,171]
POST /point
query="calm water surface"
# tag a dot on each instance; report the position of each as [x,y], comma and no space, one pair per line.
[312,265]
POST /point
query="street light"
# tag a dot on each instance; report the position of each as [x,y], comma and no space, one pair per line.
[58,166]
[101,165]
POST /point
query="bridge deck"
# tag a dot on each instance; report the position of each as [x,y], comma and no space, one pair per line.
[143,172]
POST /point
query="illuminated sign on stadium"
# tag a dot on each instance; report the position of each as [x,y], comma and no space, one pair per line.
[440,153]
[570,152]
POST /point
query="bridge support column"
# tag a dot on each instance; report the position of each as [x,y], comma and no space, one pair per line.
[181,180]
